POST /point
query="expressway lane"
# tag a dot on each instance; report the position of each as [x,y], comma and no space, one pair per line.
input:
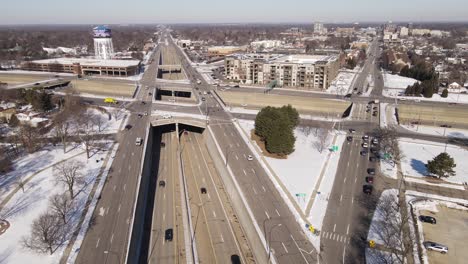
[216,241]
[166,209]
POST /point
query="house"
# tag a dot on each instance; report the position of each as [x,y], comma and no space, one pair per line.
[31,118]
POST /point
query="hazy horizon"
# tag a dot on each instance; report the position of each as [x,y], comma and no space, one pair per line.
[241,12]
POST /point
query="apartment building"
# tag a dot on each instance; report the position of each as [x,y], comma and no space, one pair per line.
[299,71]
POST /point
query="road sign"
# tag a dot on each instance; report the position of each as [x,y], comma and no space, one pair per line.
[334,148]
[301,195]
[371,243]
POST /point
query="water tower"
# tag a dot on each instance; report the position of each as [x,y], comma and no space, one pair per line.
[103,48]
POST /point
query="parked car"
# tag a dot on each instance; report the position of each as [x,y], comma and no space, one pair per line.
[235,259]
[372,159]
[363,152]
[427,219]
[367,189]
[352,130]
[370,179]
[348,96]
[365,145]
[203,190]
[249,158]
[374,113]
[128,127]
[162,183]
[371,171]
[349,138]
[365,137]
[163,144]
[168,235]
[138,141]
[429,245]
[374,150]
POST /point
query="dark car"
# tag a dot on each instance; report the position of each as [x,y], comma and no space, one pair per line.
[355,89]
[363,152]
[374,150]
[348,95]
[163,144]
[349,138]
[168,235]
[140,115]
[374,113]
[370,179]
[352,130]
[203,190]
[235,259]
[427,219]
[162,183]
[447,126]
[371,171]
[143,102]
[128,127]
[375,108]
[367,189]
[372,159]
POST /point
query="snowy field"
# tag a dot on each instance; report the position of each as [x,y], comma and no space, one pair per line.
[393,81]
[341,84]
[301,170]
[438,131]
[24,207]
[380,217]
[418,152]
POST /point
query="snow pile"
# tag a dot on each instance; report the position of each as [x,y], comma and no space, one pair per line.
[374,256]
[342,83]
[385,208]
[418,152]
[24,207]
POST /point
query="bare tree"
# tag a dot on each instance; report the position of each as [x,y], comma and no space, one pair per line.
[322,139]
[47,234]
[306,130]
[62,205]
[62,126]
[98,121]
[68,173]
[389,143]
[117,113]
[29,137]
[86,131]
[390,226]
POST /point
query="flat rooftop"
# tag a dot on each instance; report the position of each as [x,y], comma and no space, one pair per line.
[304,59]
[90,62]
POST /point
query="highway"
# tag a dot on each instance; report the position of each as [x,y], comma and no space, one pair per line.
[288,242]
[215,237]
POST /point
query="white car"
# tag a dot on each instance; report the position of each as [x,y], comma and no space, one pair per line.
[166,116]
[435,247]
[138,141]
[249,158]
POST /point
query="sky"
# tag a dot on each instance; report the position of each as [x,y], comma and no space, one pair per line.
[233,11]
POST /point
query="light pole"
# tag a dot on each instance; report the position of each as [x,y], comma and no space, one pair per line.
[228,151]
[269,242]
[196,220]
[112,252]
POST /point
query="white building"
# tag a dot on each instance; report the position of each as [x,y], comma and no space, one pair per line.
[319,28]
[266,44]
[404,31]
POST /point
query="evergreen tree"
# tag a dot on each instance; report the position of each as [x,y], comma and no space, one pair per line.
[14,122]
[445,93]
[442,165]
[292,115]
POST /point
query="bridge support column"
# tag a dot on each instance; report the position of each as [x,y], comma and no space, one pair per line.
[177,130]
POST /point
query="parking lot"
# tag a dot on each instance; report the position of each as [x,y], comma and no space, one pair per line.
[451,230]
[104,87]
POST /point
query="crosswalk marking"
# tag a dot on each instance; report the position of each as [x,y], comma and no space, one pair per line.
[336,237]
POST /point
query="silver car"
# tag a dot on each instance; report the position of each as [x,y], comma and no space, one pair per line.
[429,245]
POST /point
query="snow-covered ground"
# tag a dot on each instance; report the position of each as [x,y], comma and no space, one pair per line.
[240,110]
[301,170]
[341,84]
[393,81]
[24,207]
[418,152]
[388,169]
[374,256]
[438,131]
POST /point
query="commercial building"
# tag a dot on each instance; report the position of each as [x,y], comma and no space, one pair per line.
[266,44]
[319,28]
[103,47]
[83,66]
[302,71]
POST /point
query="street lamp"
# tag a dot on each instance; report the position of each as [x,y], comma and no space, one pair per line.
[228,151]
[196,220]
[269,242]
[112,252]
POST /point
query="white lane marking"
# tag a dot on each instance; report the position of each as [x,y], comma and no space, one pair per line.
[344,180]
[232,134]
[203,180]
[277,212]
[237,158]
[268,216]
[164,196]
[285,249]
[209,197]
[341,198]
[112,238]
[348,163]
[115,187]
[300,250]
[107,210]
[129,168]
[252,169]
[334,228]
[120,170]
[225,134]
[255,191]
[214,214]
[133,153]
[164,217]
[355,180]
[97,243]
[352,200]
[123,155]
[118,209]
[245,173]
[199,167]
[222,239]
[347,230]
[263,187]
[238,145]
[124,187]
